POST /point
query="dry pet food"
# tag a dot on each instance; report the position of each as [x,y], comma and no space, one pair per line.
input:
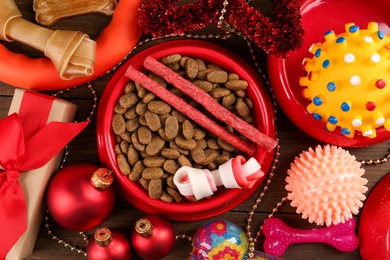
[155,139]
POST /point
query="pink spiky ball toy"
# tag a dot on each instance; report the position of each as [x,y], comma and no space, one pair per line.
[326,185]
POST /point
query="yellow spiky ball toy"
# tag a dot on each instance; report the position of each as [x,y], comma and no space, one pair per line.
[348,80]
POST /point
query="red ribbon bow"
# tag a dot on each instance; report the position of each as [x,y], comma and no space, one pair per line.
[25,147]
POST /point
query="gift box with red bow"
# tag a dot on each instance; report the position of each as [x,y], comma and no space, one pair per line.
[32,138]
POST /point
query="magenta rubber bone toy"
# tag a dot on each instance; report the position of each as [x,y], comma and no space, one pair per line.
[201,183]
[279,236]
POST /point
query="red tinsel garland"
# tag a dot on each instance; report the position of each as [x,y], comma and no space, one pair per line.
[277,35]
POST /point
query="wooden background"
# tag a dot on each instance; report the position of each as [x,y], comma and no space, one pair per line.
[83,149]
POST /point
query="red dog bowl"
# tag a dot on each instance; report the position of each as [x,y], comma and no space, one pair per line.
[319,17]
[221,201]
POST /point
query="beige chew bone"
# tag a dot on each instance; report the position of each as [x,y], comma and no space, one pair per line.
[47,12]
[72,52]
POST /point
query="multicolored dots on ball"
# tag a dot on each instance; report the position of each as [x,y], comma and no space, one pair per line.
[347,78]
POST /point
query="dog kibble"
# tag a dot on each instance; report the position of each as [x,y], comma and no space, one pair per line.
[154,139]
[124,145]
[171,127]
[166,197]
[155,188]
[130,113]
[173,145]
[119,109]
[202,74]
[188,130]
[198,155]
[175,194]
[184,143]
[203,85]
[155,146]
[132,155]
[225,145]
[219,92]
[217,76]
[130,87]
[228,100]
[144,183]
[118,124]
[212,144]
[152,173]
[170,153]
[159,107]
[128,100]
[136,172]
[242,109]
[144,135]
[183,161]
[142,121]
[171,59]
[199,134]
[152,120]
[171,166]
[132,124]
[117,149]
[170,182]
[154,161]
[123,164]
[191,68]
[134,139]
[201,64]
[141,108]
[236,84]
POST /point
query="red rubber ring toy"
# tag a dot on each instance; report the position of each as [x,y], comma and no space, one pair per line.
[113,44]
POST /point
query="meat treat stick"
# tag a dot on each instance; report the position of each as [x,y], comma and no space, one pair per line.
[210,104]
[189,111]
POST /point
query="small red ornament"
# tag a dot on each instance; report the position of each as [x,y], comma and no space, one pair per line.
[80,196]
[152,237]
[108,244]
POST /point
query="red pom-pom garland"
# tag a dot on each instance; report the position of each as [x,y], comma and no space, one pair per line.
[277,35]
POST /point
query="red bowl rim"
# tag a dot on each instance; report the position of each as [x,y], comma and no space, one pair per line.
[223,200]
[284,86]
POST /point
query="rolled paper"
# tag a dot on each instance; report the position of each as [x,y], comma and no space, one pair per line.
[279,236]
[37,125]
[210,104]
[72,52]
[237,173]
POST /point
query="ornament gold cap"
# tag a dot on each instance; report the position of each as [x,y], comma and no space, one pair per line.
[103,236]
[144,227]
[102,178]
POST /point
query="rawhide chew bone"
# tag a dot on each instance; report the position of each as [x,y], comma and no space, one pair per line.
[326,185]
[72,52]
[189,111]
[237,173]
[209,103]
[47,12]
[347,81]
[278,236]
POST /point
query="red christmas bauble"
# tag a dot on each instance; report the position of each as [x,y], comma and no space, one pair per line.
[80,197]
[152,237]
[108,244]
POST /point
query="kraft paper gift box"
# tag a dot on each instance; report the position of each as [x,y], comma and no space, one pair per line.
[34,182]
